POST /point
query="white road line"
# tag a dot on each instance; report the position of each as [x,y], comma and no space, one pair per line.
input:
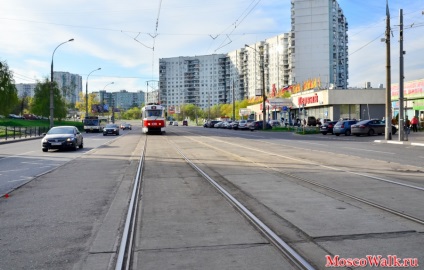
[361,149]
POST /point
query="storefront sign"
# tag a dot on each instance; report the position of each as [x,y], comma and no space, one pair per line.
[307,100]
[410,89]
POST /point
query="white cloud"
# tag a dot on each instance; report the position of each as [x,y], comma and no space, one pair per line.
[104,33]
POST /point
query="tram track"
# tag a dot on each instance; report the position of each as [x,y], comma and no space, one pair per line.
[124,260]
[125,254]
[368,202]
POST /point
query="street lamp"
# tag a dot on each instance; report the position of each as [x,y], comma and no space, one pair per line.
[51,85]
[103,96]
[107,85]
[261,53]
[86,92]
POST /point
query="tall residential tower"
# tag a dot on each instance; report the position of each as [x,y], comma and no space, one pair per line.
[319,40]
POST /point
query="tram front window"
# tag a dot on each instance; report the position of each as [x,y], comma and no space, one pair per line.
[156,113]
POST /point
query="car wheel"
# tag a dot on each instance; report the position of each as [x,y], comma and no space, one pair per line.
[45,149]
[337,134]
[347,133]
[81,145]
[324,133]
[371,132]
[74,147]
[357,135]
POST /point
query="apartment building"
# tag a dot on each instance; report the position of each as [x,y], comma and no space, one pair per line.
[25,89]
[122,99]
[315,49]
[199,80]
[69,84]
[318,43]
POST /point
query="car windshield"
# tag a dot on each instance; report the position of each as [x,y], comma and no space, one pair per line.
[111,126]
[61,130]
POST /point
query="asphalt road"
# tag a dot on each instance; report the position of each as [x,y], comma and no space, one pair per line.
[22,161]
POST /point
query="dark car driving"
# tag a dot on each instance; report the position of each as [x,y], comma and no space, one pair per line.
[62,137]
[111,129]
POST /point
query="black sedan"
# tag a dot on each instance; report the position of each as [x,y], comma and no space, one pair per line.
[370,127]
[111,129]
[257,125]
[327,127]
[62,137]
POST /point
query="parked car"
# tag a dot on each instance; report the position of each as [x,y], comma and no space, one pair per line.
[370,127]
[210,123]
[111,129]
[311,121]
[235,124]
[244,124]
[62,137]
[218,125]
[320,121]
[327,127]
[274,123]
[257,125]
[185,123]
[343,127]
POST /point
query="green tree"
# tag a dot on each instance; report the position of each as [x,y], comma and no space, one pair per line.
[92,99]
[8,92]
[40,104]
[133,113]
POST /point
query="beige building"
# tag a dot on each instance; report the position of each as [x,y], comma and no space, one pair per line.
[327,104]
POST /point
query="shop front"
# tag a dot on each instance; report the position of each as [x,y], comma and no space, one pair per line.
[332,104]
[413,104]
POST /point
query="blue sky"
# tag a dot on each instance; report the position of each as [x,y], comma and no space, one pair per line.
[119,36]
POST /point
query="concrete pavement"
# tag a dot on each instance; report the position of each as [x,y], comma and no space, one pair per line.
[413,138]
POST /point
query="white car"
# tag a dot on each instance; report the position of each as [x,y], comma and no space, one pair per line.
[175,123]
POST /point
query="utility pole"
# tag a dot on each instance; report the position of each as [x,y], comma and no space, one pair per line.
[401,113]
[234,103]
[388,133]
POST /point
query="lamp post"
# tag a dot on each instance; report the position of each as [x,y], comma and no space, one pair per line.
[103,96]
[261,53]
[51,85]
[86,92]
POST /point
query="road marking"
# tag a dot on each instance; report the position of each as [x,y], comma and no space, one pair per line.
[22,154]
[361,149]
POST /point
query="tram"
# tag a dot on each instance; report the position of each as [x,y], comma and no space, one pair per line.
[153,118]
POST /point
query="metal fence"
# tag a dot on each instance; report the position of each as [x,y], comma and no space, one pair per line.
[13,133]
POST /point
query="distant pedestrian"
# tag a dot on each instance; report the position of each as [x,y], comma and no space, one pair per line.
[414,123]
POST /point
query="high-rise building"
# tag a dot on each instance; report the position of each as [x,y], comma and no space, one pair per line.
[69,84]
[315,50]
[25,89]
[318,47]
[199,80]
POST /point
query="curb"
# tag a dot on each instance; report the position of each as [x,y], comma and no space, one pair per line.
[397,142]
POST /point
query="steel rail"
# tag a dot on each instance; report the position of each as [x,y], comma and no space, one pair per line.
[125,249]
[362,200]
[290,253]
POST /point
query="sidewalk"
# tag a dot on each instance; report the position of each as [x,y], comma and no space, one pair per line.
[413,138]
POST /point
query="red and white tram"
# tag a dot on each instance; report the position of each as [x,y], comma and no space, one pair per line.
[153,118]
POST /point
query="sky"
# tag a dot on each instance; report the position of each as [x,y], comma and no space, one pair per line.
[126,38]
